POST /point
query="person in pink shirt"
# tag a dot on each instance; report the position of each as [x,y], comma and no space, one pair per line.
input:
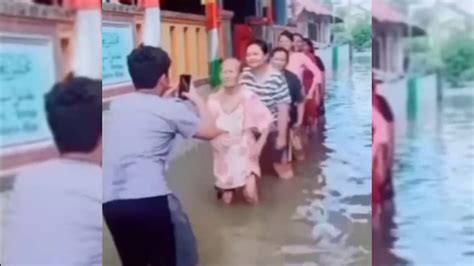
[383,133]
[298,63]
[240,112]
[298,42]
[312,52]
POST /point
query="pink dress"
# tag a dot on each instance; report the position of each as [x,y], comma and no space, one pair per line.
[233,161]
[299,62]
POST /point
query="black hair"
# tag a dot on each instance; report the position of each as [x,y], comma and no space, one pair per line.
[384,108]
[262,44]
[287,34]
[146,65]
[310,44]
[74,114]
[299,35]
[283,50]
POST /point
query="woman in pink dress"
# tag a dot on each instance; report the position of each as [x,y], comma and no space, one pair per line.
[383,133]
[310,51]
[299,63]
[236,154]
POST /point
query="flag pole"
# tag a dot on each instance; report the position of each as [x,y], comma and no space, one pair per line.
[213,23]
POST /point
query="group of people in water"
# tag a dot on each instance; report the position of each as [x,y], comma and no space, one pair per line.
[268,106]
[263,111]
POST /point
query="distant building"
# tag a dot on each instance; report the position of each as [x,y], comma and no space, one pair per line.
[389,28]
[313,20]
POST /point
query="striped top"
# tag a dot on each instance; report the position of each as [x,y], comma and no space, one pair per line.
[272,89]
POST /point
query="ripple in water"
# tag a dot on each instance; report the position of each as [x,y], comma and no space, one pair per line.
[339,211]
[434,185]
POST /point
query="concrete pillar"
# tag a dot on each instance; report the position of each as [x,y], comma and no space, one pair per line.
[326,32]
[88,38]
[388,52]
[152,28]
[401,50]
[382,52]
[320,32]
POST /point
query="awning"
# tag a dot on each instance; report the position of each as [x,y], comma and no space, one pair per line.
[384,13]
[300,6]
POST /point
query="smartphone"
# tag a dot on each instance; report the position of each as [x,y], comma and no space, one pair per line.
[184,85]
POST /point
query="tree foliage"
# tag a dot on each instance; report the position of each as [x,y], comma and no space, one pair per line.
[362,35]
[458,57]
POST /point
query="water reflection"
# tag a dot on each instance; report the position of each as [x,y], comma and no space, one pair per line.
[337,204]
[434,219]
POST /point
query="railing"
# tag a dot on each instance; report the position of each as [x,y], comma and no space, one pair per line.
[184,37]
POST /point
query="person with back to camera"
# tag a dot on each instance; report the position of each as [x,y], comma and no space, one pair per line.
[314,108]
[54,214]
[146,220]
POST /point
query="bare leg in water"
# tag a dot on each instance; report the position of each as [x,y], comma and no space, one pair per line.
[284,170]
[250,189]
[227,196]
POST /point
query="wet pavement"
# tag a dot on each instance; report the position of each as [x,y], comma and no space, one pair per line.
[433,222]
[322,217]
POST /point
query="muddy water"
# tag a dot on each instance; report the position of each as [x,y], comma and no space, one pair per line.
[322,217]
[433,222]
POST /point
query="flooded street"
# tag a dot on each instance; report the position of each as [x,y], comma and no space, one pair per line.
[434,185]
[322,217]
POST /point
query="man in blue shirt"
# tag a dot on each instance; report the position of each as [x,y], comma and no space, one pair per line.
[54,213]
[145,219]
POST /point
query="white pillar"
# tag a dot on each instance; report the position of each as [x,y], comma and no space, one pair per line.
[328,32]
[88,40]
[152,27]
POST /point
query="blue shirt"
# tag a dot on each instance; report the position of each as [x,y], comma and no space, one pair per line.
[139,133]
[53,215]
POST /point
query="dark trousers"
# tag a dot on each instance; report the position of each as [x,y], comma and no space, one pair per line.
[142,230]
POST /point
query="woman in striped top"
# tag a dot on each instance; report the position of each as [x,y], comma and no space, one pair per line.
[270,85]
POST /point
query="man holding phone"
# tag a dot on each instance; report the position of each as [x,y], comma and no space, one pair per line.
[146,220]
[184,85]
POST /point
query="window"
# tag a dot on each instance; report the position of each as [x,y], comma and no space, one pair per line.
[312,32]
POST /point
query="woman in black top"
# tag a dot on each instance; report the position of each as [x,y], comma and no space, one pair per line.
[279,60]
